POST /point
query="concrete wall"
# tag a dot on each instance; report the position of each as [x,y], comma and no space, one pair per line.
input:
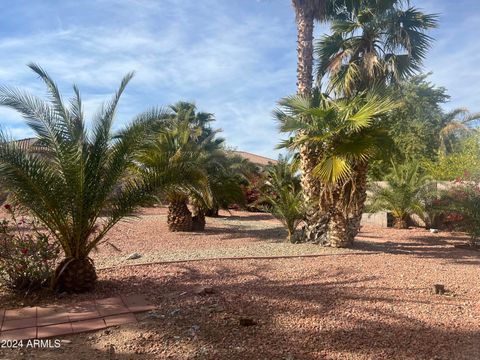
[377,219]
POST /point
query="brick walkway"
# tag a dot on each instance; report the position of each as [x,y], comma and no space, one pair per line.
[44,322]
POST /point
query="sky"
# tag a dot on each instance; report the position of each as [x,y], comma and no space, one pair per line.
[233,58]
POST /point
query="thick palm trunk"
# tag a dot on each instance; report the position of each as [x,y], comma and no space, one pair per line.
[359,196]
[309,154]
[198,221]
[213,212]
[305,22]
[75,275]
[400,223]
[344,203]
[179,216]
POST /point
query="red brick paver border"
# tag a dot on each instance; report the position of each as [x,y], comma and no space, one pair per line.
[52,321]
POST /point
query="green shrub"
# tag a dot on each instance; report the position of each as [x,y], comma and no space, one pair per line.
[464,203]
[27,255]
[407,193]
[282,196]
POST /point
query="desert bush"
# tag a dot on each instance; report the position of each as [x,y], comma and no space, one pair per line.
[27,255]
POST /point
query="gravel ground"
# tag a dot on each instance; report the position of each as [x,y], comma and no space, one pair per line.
[372,302]
[235,234]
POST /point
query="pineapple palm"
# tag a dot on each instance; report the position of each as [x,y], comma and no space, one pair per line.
[348,132]
[175,145]
[79,187]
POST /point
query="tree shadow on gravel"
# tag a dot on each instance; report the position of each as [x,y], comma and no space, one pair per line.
[324,314]
[441,247]
[274,234]
[314,313]
[250,217]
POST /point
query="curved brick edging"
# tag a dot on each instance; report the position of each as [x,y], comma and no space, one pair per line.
[167,262]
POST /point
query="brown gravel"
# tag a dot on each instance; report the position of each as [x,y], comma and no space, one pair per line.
[235,234]
[372,302]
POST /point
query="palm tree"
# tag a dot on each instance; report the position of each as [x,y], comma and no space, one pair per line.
[404,195]
[347,130]
[176,144]
[456,124]
[78,188]
[306,12]
[373,43]
[282,194]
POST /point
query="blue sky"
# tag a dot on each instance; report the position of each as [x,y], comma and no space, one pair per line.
[234,58]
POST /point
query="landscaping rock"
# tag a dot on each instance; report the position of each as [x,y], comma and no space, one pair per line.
[134,256]
[439,289]
[203,290]
[243,321]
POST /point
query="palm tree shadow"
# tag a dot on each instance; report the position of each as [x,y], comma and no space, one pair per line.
[332,310]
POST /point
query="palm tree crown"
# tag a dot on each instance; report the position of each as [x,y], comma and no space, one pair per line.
[79,185]
[373,42]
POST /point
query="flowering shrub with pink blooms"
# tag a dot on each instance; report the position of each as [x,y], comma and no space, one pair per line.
[27,256]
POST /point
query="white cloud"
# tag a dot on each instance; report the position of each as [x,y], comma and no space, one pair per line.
[234,58]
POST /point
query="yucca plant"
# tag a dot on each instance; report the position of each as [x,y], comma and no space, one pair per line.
[78,187]
[405,194]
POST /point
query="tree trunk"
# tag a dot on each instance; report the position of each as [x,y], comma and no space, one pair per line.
[343,204]
[359,196]
[400,223]
[198,221]
[212,212]
[309,154]
[304,18]
[179,216]
[75,275]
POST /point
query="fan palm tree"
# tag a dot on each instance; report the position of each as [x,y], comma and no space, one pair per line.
[373,43]
[455,124]
[348,132]
[404,194]
[79,187]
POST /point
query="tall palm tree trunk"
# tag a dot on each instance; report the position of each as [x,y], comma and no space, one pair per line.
[305,14]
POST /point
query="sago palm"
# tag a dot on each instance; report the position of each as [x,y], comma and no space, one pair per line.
[78,186]
[348,132]
[404,195]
